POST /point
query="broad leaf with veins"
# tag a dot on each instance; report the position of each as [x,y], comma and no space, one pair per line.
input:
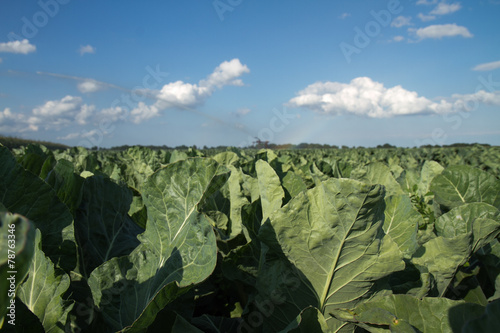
[178,248]
[333,235]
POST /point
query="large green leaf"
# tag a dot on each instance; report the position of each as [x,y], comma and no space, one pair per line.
[442,256]
[211,324]
[293,183]
[24,193]
[489,322]
[177,250]
[37,159]
[429,171]
[17,246]
[333,235]
[411,177]
[43,290]
[377,173]
[226,158]
[437,315]
[66,183]
[237,199]
[461,232]
[271,192]
[136,164]
[480,219]
[103,226]
[490,258]
[226,205]
[458,185]
[308,321]
[401,223]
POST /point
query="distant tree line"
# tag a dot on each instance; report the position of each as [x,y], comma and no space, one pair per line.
[13,142]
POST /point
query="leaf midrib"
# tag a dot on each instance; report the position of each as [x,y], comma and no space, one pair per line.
[331,273]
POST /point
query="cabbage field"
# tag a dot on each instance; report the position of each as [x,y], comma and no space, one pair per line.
[312,240]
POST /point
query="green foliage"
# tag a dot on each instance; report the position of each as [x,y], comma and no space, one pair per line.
[227,240]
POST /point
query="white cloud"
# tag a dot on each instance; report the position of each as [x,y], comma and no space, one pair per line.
[344,16]
[86,49]
[113,114]
[426,2]
[242,112]
[425,18]
[144,112]
[90,86]
[85,113]
[60,113]
[365,97]
[401,21]
[482,97]
[398,38]
[181,94]
[444,8]
[11,122]
[23,47]
[92,133]
[70,136]
[442,30]
[67,104]
[225,74]
[487,66]
[85,85]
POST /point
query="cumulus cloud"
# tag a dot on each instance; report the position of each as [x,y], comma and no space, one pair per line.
[225,74]
[144,112]
[11,122]
[86,49]
[90,86]
[398,38]
[365,97]
[489,66]
[23,47]
[426,2]
[444,8]
[84,114]
[181,94]
[113,114]
[425,18]
[401,21]
[480,97]
[439,31]
[58,108]
[59,113]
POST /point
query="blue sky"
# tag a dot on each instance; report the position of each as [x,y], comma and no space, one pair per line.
[204,72]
